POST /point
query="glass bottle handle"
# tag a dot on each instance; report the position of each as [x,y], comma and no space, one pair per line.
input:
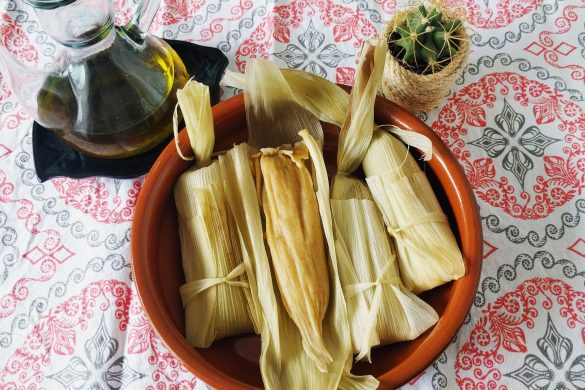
[144,15]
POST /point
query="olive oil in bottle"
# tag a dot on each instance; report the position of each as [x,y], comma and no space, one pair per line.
[117,102]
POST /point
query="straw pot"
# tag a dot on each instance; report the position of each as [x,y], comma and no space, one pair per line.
[421,92]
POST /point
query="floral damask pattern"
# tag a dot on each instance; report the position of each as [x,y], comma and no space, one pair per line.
[312,54]
[501,332]
[556,368]
[493,14]
[531,140]
[15,40]
[560,175]
[98,366]
[343,23]
[95,360]
[93,197]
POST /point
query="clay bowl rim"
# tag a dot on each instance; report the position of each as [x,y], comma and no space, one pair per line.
[462,201]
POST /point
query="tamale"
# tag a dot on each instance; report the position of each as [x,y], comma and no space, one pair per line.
[284,362]
[380,309]
[293,232]
[295,240]
[428,252]
[216,294]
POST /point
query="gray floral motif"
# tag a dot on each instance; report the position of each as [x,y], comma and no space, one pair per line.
[531,141]
[100,374]
[311,55]
[581,40]
[539,374]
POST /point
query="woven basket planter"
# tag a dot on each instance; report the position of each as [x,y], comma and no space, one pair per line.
[416,92]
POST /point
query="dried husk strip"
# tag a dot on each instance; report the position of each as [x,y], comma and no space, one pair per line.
[380,309]
[324,99]
[273,115]
[193,99]
[240,191]
[428,252]
[216,294]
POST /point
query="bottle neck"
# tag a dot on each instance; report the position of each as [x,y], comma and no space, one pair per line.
[78,24]
[94,38]
[100,42]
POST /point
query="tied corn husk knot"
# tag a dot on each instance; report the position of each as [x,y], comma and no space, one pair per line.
[190,290]
[428,252]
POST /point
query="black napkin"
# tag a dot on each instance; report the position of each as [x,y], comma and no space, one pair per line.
[54,158]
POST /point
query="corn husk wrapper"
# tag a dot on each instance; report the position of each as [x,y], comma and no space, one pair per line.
[283,361]
[286,361]
[324,99]
[428,252]
[380,309]
[274,118]
[216,294]
[295,241]
[193,99]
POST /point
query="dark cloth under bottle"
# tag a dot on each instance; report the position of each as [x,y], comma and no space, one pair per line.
[53,158]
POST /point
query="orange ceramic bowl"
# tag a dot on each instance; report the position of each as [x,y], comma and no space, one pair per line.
[232,363]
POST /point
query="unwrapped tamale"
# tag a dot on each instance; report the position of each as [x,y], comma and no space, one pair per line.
[296,244]
[284,362]
[293,231]
[309,345]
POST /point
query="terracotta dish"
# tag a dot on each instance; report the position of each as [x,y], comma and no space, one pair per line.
[233,363]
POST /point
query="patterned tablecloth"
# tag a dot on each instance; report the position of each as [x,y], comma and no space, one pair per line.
[69,313]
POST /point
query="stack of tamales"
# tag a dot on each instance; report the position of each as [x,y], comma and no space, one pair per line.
[267,247]
[216,296]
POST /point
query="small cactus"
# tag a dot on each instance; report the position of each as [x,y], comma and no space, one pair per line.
[425,41]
